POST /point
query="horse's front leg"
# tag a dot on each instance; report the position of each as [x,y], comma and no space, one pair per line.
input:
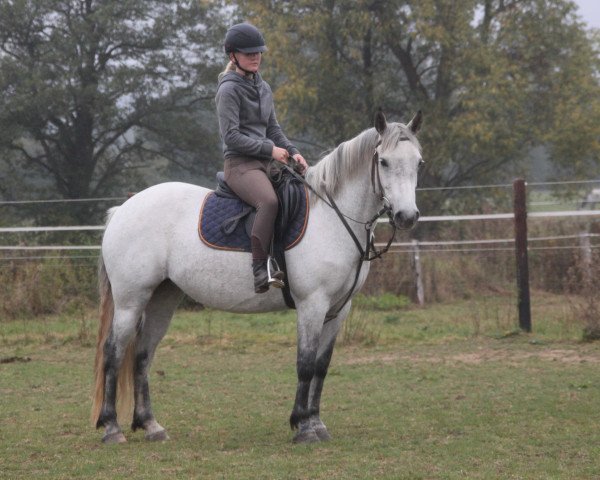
[326,344]
[310,324]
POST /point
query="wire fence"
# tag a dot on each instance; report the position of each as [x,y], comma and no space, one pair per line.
[47,266]
[422,189]
[396,247]
[467,246]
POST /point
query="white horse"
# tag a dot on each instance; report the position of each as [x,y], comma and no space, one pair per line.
[151,253]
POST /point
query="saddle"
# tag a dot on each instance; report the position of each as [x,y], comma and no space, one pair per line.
[226,221]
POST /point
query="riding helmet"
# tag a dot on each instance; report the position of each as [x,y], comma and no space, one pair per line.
[244,38]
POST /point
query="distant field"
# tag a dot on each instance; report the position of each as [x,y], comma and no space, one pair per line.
[446,392]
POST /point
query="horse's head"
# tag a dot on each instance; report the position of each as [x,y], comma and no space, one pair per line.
[398,161]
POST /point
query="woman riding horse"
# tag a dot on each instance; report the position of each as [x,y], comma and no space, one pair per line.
[251,137]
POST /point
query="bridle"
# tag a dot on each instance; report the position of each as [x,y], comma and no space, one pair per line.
[375,175]
[369,253]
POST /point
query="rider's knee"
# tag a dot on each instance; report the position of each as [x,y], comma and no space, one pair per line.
[269,203]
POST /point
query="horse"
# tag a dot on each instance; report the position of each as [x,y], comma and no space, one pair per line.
[151,256]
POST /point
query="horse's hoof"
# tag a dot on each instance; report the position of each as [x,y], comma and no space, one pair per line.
[159,436]
[322,434]
[305,436]
[116,437]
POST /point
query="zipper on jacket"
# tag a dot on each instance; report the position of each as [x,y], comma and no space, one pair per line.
[259,100]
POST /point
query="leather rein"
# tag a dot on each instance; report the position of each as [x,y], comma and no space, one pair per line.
[369,253]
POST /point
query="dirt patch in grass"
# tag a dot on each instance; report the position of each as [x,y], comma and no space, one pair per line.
[479,356]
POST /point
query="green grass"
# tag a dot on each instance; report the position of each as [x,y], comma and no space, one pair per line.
[445,392]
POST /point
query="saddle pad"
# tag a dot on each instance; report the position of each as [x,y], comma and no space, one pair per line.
[215,210]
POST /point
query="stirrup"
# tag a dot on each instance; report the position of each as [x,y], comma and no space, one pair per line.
[274,274]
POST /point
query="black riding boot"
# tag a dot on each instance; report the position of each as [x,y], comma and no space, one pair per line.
[261,277]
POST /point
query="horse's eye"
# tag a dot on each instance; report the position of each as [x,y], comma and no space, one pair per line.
[384,162]
[421,164]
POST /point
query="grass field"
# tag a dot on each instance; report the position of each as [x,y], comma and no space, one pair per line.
[445,392]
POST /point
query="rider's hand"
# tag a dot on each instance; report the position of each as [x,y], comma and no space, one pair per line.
[300,159]
[280,154]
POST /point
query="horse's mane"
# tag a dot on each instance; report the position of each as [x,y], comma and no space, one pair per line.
[350,157]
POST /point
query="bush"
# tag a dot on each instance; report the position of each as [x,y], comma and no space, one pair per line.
[585,303]
[46,287]
[468,271]
[358,328]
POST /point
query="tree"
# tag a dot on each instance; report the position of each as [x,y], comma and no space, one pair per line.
[493,77]
[91,90]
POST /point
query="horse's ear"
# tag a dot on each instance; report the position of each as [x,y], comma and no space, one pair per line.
[415,124]
[380,122]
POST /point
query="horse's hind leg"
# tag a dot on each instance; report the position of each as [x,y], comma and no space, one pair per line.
[326,344]
[124,323]
[156,320]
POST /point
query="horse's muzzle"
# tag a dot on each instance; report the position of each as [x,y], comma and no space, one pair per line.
[406,219]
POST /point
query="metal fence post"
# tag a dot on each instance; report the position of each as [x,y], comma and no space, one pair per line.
[520,210]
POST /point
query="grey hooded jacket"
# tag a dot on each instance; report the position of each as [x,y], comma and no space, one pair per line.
[247,117]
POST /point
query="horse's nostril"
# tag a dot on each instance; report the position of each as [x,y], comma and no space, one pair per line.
[405,219]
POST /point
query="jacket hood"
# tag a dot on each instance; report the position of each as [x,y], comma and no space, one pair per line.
[232,76]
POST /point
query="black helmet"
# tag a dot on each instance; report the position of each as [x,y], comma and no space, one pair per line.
[244,38]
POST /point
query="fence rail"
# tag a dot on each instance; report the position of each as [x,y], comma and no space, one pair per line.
[73,228]
[438,218]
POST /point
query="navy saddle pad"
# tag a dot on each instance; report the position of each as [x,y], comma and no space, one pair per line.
[218,227]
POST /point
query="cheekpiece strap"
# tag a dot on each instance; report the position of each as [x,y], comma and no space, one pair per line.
[375,172]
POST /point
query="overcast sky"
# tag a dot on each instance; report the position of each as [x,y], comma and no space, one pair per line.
[589,10]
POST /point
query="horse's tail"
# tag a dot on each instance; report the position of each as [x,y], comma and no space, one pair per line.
[107,309]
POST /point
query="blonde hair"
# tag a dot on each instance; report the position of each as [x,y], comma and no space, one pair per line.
[229,68]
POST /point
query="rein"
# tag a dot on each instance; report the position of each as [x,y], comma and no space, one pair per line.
[369,253]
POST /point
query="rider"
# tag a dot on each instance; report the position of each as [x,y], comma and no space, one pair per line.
[251,138]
